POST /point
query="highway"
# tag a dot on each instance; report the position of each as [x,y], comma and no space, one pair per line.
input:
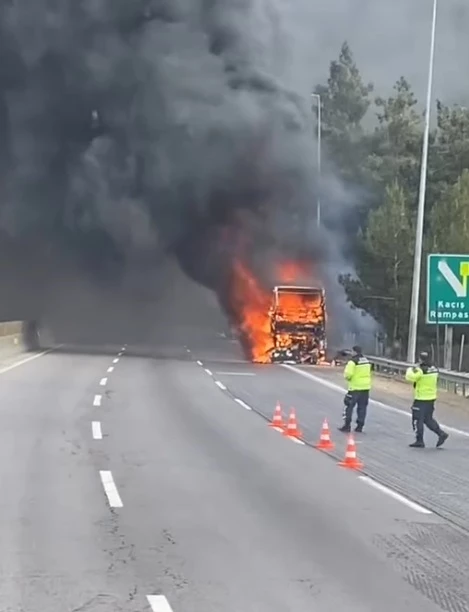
[132,480]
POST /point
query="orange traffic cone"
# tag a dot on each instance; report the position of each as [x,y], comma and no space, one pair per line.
[325,442]
[351,460]
[277,419]
[292,430]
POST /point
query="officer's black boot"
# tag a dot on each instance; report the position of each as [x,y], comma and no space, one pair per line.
[443,436]
[359,428]
[417,444]
[345,428]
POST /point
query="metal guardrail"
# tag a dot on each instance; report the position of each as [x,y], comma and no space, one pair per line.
[453,382]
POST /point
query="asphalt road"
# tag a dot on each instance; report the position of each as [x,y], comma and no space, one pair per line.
[435,478]
[131,481]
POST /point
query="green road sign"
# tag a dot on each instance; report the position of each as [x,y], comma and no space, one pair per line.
[448,289]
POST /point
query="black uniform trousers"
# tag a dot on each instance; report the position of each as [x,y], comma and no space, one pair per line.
[422,414]
[359,399]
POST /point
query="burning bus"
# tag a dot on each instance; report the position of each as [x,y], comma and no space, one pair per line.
[283,322]
[298,324]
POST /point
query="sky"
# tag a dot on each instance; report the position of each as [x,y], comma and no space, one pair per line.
[392,39]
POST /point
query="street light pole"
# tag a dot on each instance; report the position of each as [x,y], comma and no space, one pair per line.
[414,305]
[318,99]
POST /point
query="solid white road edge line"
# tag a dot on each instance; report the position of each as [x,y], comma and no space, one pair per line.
[395,495]
[23,361]
[111,369]
[96,429]
[221,385]
[241,403]
[110,489]
[103,382]
[97,400]
[115,360]
[159,603]
[334,387]
[208,372]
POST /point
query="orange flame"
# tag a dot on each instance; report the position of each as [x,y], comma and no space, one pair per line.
[252,304]
[293,271]
[300,308]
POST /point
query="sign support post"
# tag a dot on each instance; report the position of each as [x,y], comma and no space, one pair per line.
[461,351]
[448,350]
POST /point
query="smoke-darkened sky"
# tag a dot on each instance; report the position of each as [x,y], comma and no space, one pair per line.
[130,129]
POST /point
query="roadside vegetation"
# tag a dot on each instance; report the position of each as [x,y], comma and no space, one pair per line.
[375,144]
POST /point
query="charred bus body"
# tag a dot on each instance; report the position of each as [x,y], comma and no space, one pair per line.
[298,324]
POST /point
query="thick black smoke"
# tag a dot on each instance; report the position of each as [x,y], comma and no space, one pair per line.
[135,130]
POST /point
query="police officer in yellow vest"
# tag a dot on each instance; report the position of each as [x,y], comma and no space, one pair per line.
[358,375]
[425,380]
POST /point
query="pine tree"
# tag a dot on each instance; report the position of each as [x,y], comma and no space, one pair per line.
[345,100]
[449,219]
[397,141]
[384,264]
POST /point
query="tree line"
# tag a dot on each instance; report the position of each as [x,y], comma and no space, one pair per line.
[375,147]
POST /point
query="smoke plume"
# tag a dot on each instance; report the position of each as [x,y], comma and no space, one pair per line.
[137,131]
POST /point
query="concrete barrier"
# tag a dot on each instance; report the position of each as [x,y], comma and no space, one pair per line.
[10,328]
[11,340]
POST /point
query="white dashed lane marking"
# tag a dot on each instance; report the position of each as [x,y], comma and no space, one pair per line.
[241,403]
[159,603]
[97,400]
[110,489]
[96,429]
[103,382]
[235,373]
[115,360]
[111,369]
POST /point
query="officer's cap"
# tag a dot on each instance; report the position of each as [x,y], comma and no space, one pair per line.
[357,349]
